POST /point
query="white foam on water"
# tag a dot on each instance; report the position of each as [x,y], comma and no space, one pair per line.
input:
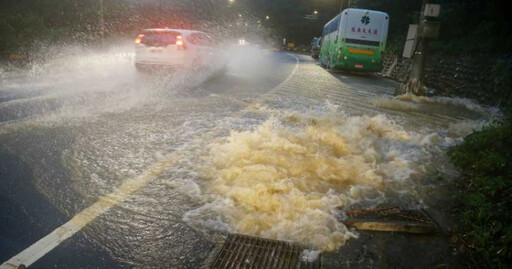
[287,177]
[458,101]
[466,127]
[392,103]
[309,255]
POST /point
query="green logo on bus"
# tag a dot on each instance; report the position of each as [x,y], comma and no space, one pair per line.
[365,19]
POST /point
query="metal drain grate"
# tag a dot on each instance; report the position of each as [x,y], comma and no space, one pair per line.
[391,219]
[241,251]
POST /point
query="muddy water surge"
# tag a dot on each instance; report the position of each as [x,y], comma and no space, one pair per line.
[289,177]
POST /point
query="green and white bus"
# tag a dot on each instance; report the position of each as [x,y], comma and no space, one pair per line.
[355,40]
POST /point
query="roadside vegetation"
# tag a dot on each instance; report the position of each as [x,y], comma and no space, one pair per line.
[485,162]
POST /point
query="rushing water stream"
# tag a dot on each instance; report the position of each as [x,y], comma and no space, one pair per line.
[87,123]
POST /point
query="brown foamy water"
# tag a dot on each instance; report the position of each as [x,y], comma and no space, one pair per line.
[392,103]
[287,178]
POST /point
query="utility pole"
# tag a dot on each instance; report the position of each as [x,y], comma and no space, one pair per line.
[419,56]
[414,82]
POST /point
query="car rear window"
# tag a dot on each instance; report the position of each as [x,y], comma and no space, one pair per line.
[159,38]
[200,39]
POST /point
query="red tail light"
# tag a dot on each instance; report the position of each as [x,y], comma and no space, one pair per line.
[179,42]
[139,39]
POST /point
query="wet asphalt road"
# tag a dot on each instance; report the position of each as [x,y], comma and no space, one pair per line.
[47,115]
[71,134]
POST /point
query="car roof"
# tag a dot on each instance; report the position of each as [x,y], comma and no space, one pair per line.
[182,31]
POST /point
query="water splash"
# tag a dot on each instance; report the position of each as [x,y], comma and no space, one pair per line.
[392,103]
[287,178]
[458,101]
[466,127]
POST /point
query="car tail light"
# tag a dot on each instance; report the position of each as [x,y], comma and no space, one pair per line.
[139,39]
[179,42]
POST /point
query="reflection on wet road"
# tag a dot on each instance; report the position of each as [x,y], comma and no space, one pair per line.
[84,140]
[183,159]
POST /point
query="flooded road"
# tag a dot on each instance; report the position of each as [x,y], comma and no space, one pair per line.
[164,166]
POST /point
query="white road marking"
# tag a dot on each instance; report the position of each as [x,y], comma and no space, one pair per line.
[104,203]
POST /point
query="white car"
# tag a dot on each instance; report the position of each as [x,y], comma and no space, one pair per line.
[176,48]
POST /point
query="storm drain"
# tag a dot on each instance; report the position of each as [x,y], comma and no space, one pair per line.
[391,219]
[241,251]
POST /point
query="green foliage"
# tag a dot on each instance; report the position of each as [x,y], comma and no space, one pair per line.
[10,36]
[503,85]
[24,22]
[485,159]
[474,27]
[395,44]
